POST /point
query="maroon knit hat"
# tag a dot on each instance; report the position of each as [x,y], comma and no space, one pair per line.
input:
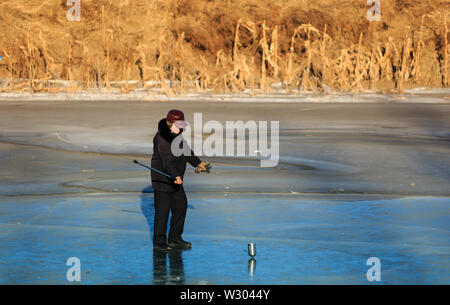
[176,117]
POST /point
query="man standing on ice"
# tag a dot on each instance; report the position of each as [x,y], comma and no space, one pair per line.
[169,194]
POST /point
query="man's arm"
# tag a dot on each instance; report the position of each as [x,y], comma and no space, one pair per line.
[192,159]
[195,161]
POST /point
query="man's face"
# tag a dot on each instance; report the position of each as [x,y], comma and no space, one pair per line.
[178,126]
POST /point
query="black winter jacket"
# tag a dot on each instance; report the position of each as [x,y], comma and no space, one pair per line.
[164,160]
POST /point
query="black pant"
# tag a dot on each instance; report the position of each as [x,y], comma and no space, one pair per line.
[165,202]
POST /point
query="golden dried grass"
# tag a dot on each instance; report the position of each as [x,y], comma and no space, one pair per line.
[179,46]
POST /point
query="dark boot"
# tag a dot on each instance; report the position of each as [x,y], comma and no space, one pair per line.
[162,247]
[180,244]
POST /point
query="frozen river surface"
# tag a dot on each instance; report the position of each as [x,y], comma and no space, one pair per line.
[354,182]
[299,240]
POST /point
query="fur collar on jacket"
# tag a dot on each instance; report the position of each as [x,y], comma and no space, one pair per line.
[165,132]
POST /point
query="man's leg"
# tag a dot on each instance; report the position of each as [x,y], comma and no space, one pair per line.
[178,208]
[162,208]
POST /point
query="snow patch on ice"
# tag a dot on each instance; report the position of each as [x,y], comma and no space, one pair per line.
[420,95]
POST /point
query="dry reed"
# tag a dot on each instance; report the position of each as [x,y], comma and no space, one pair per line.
[176,52]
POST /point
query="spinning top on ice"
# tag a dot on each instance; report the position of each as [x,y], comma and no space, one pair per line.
[251,250]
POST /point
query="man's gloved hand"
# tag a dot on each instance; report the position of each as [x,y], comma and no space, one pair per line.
[203,167]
